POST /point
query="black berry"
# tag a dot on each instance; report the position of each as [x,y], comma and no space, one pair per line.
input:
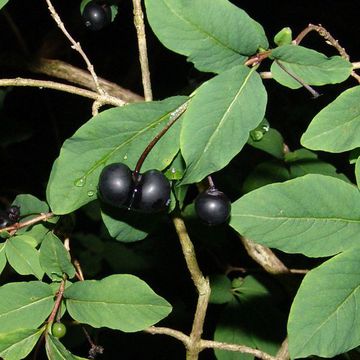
[116,184]
[13,213]
[96,15]
[213,207]
[152,193]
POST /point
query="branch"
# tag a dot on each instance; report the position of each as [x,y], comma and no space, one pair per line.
[264,257]
[59,296]
[17,226]
[104,99]
[238,348]
[144,63]
[62,70]
[202,285]
[75,45]
[154,330]
[283,353]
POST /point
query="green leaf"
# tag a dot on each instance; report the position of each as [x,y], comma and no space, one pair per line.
[18,344]
[272,143]
[221,114]
[315,215]
[2,257]
[303,161]
[122,302]
[129,226]
[197,30]
[266,173]
[220,289]
[55,350]
[324,319]
[336,127]
[251,319]
[23,257]
[55,259]
[309,65]
[3,3]
[115,135]
[24,305]
[30,205]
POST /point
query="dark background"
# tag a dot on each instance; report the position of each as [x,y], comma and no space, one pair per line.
[34,123]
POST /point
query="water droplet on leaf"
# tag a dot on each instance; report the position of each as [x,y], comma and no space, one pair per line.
[80,182]
[91,193]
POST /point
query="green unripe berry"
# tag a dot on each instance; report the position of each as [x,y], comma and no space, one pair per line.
[58,330]
[283,37]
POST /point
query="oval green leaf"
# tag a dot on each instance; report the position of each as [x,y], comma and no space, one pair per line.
[18,344]
[197,30]
[23,257]
[324,319]
[336,128]
[218,120]
[55,259]
[312,67]
[122,302]
[24,305]
[115,135]
[315,215]
[55,350]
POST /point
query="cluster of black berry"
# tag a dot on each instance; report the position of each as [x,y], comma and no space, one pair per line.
[10,216]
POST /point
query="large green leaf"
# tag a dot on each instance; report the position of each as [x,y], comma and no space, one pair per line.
[217,122]
[324,318]
[315,215]
[24,305]
[23,257]
[197,29]
[55,259]
[122,302]
[336,128]
[55,350]
[3,3]
[309,65]
[17,344]
[115,135]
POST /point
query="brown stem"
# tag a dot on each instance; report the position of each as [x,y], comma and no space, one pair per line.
[13,228]
[174,116]
[104,99]
[155,330]
[143,57]
[313,92]
[283,353]
[238,348]
[59,296]
[202,286]
[264,257]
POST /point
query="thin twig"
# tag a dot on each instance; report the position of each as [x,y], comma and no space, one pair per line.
[104,99]
[234,347]
[59,296]
[17,226]
[143,57]
[76,46]
[202,285]
[156,330]
[283,353]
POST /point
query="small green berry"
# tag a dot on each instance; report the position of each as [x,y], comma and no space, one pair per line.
[58,330]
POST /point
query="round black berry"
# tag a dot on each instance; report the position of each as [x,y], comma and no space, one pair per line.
[58,330]
[152,193]
[13,213]
[213,207]
[96,15]
[116,184]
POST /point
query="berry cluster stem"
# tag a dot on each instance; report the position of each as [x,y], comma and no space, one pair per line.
[174,116]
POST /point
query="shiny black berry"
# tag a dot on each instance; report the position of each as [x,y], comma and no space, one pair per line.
[152,193]
[213,207]
[96,15]
[116,184]
[13,212]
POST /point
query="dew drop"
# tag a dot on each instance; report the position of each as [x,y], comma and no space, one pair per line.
[80,182]
[91,193]
[125,157]
[173,170]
